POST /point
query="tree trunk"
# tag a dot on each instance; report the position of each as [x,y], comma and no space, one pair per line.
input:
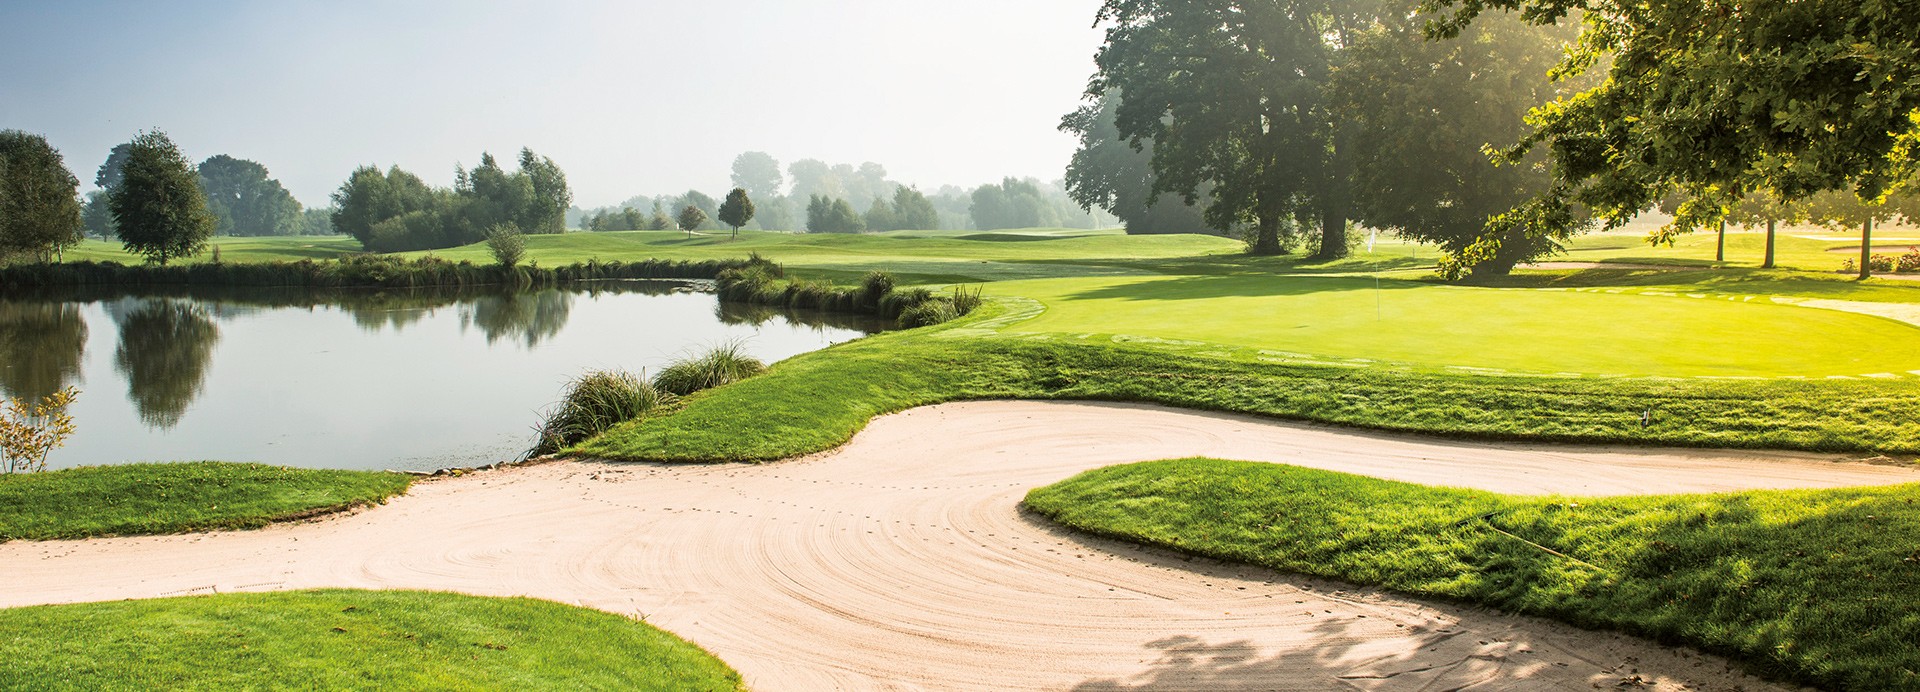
[1866,249]
[1336,197]
[1268,240]
[1333,234]
[1720,250]
[1771,225]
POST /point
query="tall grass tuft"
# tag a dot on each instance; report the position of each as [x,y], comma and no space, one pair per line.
[594,403]
[928,313]
[723,364]
[877,284]
[965,299]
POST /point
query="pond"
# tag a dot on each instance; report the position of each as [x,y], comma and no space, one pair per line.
[411,380]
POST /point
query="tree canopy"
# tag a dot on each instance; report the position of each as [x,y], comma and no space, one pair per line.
[1230,93]
[832,215]
[1109,173]
[1716,101]
[39,197]
[736,210]
[395,210]
[246,200]
[1424,113]
[759,174]
[158,208]
[691,218]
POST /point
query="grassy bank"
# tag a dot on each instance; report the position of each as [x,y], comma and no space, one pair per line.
[345,640]
[177,498]
[819,400]
[1817,586]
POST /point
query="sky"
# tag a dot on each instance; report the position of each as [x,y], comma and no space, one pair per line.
[630,98]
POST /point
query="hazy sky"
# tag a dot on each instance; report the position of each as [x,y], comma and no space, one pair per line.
[639,97]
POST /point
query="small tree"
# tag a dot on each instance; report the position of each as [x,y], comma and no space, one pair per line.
[691,218]
[29,431]
[737,210]
[158,206]
[507,244]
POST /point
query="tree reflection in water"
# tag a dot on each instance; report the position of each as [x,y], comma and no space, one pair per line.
[42,346]
[165,348]
[533,316]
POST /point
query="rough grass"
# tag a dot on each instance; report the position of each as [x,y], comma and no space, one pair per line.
[817,401]
[721,365]
[1817,586]
[594,403]
[345,640]
[137,499]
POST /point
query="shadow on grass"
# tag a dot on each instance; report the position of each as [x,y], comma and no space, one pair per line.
[1734,281]
[1207,287]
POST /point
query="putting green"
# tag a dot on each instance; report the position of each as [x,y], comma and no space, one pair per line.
[1438,326]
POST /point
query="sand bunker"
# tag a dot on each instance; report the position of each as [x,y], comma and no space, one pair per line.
[903,562]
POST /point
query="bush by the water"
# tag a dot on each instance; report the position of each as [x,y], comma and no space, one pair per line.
[763,283]
[596,402]
[724,364]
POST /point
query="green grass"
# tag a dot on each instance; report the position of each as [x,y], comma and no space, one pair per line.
[267,249]
[818,400]
[1432,325]
[1806,248]
[138,499]
[345,640]
[1815,586]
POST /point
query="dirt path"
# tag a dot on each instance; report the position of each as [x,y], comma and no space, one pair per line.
[902,561]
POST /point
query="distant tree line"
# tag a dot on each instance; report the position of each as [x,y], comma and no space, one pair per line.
[815,196]
[394,210]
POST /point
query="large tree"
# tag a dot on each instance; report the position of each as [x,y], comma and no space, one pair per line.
[1718,101]
[759,174]
[246,200]
[1230,92]
[39,198]
[546,211]
[1109,173]
[371,196]
[158,208]
[1424,112]
[912,210]
[736,210]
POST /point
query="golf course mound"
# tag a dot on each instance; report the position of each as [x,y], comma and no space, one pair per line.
[345,640]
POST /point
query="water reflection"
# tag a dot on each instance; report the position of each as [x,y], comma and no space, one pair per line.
[393,378]
[530,317]
[165,348]
[757,315]
[41,347]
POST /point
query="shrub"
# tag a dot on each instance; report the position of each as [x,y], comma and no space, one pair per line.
[928,313]
[965,301]
[723,364]
[899,302]
[1880,263]
[507,244]
[1910,261]
[29,431]
[594,403]
[877,285]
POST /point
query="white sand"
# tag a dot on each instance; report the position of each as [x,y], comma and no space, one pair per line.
[902,562]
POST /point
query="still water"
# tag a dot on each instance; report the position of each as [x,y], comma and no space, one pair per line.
[414,380]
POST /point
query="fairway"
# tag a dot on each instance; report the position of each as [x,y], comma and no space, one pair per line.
[1434,326]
